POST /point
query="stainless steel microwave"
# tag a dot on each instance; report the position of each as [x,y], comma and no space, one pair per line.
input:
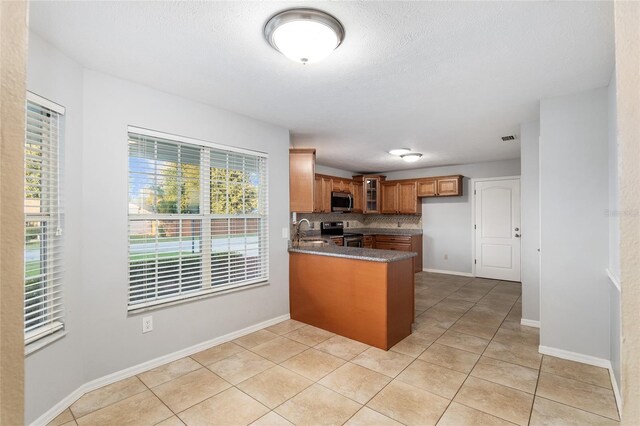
[341,202]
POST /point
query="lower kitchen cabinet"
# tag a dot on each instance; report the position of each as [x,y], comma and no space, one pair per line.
[402,243]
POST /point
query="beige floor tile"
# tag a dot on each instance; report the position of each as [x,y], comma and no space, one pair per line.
[240,367]
[318,405]
[367,417]
[216,353]
[460,415]
[279,349]
[388,363]
[274,386]
[190,389]
[170,371]
[272,419]
[408,404]
[141,409]
[107,395]
[524,355]
[355,382]
[433,378]
[577,371]
[171,421]
[230,407]
[62,418]
[254,339]
[309,335]
[446,356]
[506,373]
[71,423]
[465,342]
[478,330]
[500,401]
[509,335]
[313,364]
[416,343]
[550,413]
[438,318]
[342,347]
[285,327]
[585,396]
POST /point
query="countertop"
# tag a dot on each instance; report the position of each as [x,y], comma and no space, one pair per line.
[314,233]
[357,253]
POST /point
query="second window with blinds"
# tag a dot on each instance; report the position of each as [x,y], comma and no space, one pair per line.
[198,218]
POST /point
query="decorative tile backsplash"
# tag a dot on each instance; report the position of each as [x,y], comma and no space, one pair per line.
[355,220]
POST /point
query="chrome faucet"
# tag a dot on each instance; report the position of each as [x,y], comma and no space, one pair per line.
[296,236]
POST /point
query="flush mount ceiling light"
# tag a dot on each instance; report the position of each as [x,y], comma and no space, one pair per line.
[304,35]
[410,158]
[400,151]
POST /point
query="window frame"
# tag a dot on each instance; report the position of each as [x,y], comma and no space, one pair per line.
[53,321]
[205,217]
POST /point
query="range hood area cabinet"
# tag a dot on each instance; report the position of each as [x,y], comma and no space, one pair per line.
[440,186]
[400,197]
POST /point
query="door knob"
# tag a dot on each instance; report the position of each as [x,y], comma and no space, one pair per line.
[517,235]
[517,229]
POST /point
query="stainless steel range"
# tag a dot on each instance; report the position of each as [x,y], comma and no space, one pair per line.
[351,239]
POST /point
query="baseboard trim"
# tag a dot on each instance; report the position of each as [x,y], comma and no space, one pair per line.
[587,359]
[574,356]
[443,271]
[57,409]
[530,323]
[614,280]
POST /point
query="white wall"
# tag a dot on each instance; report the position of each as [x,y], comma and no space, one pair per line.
[332,171]
[530,219]
[53,372]
[614,231]
[102,337]
[447,222]
[574,294]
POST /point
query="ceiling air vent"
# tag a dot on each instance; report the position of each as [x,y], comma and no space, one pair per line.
[508,138]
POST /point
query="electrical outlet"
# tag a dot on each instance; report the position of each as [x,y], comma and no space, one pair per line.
[147,324]
[446,256]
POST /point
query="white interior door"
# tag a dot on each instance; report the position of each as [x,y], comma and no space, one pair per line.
[497,229]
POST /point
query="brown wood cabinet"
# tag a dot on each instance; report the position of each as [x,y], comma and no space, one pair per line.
[302,165]
[440,186]
[370,192]
[358,198]
[339,241]
[400,197]
[402,243]
[368,241]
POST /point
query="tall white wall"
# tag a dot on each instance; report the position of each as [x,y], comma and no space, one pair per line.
[102,337]
[446,222]
[574,296]
[530,208]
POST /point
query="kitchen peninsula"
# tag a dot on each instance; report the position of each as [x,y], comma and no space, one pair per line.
[363,294]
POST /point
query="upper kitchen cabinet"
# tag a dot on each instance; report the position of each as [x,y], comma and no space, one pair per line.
[302,172]
[400,197]
[358,198]
[322,195]
[371,192]
[440,186]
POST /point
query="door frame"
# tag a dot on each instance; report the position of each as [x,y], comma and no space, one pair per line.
[472,188]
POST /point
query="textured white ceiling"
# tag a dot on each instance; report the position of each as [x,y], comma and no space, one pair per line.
[444,78]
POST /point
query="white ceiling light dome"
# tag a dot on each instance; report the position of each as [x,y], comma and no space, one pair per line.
[410,158]
[304,35]
[399,151]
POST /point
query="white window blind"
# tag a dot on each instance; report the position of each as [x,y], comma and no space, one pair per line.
[197,218]
[43,220]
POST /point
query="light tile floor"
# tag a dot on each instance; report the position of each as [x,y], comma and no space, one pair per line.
[469,361]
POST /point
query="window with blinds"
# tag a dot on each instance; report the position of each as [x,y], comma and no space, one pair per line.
[43,220]
[197,218]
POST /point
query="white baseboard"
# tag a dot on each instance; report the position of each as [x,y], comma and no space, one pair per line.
[614,280]
[443,271]
[587,359]
[57,409]
[530,323]
[574,356]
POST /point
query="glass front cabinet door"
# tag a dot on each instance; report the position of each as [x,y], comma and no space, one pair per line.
[371,195]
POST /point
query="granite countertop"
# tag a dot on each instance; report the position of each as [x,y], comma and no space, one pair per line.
[357,253]
[314,233]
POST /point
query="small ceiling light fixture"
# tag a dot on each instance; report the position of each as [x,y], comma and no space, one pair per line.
[400,151]
[410,158]
[304,35]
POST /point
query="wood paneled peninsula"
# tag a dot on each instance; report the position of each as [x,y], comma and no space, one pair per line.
[363,294]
